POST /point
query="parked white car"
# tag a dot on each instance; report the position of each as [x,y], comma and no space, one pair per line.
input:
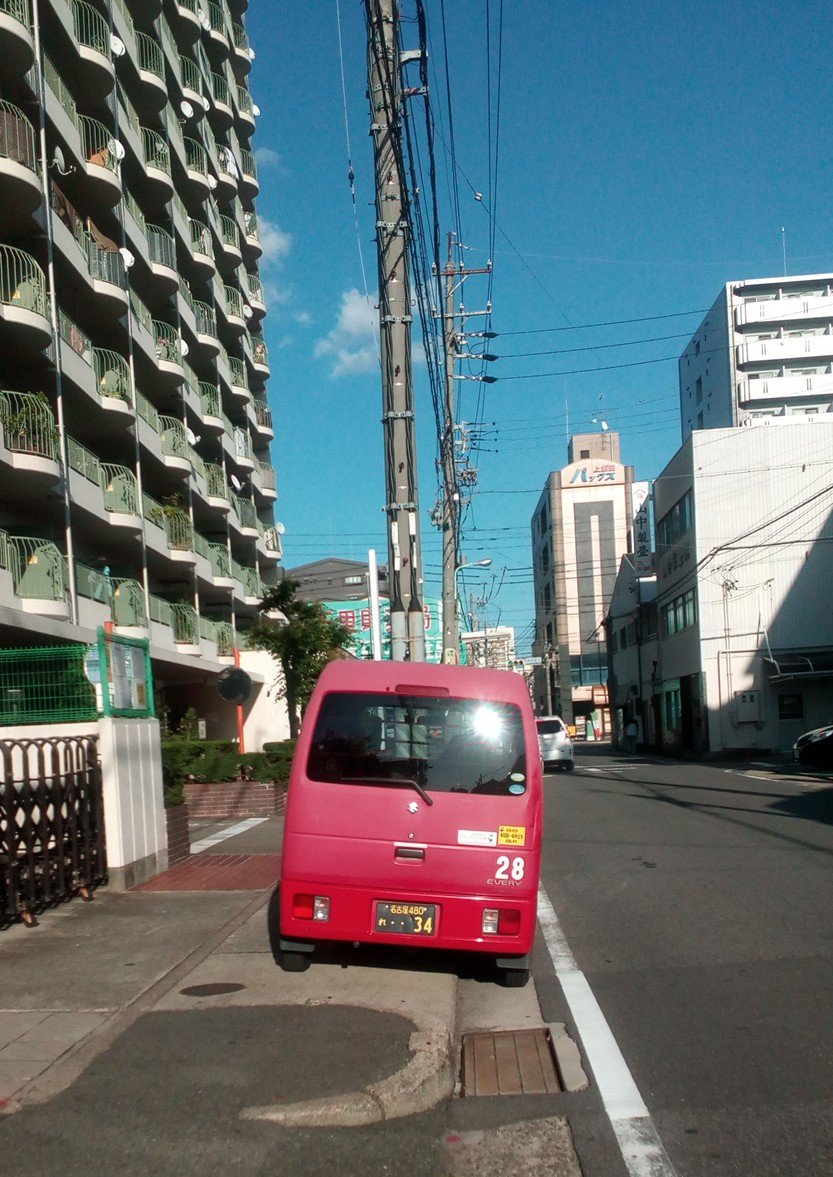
[554,742]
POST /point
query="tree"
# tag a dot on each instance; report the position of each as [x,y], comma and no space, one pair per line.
[302,638]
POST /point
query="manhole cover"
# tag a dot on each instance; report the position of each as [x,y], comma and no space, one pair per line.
[212,990]
[509,1062]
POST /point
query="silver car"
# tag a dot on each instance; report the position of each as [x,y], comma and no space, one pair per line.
[554,742]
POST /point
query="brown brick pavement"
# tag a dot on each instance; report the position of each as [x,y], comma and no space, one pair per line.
[219,872]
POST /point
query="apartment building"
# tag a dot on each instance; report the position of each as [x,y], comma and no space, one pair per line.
[493,647]
[136,487]
[582,526]
[764,350]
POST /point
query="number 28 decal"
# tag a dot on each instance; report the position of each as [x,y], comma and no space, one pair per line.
[507,868]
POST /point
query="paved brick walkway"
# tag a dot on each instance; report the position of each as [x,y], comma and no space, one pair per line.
[219,872]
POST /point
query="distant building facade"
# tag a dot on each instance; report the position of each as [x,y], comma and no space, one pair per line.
[582,526]
[335,579]
[744,652]
[765,349]
[494,647]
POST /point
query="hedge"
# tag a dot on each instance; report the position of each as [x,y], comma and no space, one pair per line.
[218,760]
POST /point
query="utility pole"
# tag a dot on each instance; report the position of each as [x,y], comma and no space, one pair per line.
[451,494]
[395,318]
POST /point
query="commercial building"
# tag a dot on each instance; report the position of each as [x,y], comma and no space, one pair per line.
[743,659]
[493,647]
[582,526]
[136,487]
[335,579]
[764,350]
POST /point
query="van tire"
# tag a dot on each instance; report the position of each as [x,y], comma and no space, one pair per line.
[514,978]
[569,765]
[295,962]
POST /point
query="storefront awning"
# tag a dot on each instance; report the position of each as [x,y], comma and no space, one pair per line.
[789,665]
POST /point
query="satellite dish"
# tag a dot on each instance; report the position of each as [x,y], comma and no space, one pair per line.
[186,109]
[247,311]
[235,482]
[127,257]
[234,684]
[206,104]
[116,149]
[117,46]
[183,347]
[251,54]
[192,437]
[212,183]
[59,163]
[280,529]
[255,109]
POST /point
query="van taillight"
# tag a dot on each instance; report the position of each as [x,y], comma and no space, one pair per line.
[311,907]
[501,921]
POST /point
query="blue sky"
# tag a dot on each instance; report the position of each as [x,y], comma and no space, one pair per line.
[648,153]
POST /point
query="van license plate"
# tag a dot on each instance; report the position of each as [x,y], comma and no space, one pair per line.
[409,919]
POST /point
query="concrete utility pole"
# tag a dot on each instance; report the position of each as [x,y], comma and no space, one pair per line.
[451,498]
[395,318]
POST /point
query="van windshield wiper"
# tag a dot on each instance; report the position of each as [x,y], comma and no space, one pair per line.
[392,780]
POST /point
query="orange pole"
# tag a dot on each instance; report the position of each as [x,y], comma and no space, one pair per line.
[241,745]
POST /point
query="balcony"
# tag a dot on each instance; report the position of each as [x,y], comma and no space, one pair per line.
[266,479]
[239,380]
[250,581]
[249,170]
[207,326]
[157,161]
[217,26]
[175,448]
[246,110]
[790,349]
[243,511]
[29,437]
[92,36]
[168,347]
[228,173]
[234,307]
[94,592]
[230,237]
[255,288]
[129,608]
[192,86]
[222,106]
[112,374]
[17,49]
[217,487]
[201,246]
[39,576]
[151,63]
[243,54]
[260,355]
[270,543]
[243,449]
[789,311]
[781,389]
[102,156]
[263,418]
[170,532]
[106,270]
[253,234]
[24,309]
[196,164]
[162,255]
[210,405]
[20,186]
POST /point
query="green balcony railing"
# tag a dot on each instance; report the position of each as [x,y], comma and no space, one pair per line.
[249,578]
[195,156]
[206,319]
[38,569]
[200,236]
[19,9]
[17,136]
[244,102]
[136,213]
[84,461]
[266,472]
[185,624]
[255,287]
[216,481]
[151,57]
[97,142]
[161,611]
[234,301]
[76,339]
[92,584]
[217,19]
[91,29]
[263,414]
[22,281]
[240,37]
[220,88]
[28,424]
[237,368]
[167,343]
[252,226]
[272,539]
[112,374]
[174,521]
[225,639]
[248,164]
[191,76]
[156,151]
[147,412]
[174,440]
[242,444]
[220,560]
[60,89]
[105,265]
[161,246]
[121,496]
[129,604]
[244,510]
[141,312]
[260,352]
[229,232]
[209,399]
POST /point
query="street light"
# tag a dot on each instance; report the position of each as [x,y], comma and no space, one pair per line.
[451,626]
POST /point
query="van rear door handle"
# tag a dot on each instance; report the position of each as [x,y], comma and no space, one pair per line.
[409,853]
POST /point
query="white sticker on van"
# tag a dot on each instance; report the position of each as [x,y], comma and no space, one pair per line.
[476,838]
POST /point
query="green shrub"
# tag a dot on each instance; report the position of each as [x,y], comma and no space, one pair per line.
[218,760]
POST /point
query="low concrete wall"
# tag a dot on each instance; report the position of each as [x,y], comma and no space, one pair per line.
[179,839]
[235,799]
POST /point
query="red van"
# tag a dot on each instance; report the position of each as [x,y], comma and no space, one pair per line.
[414,814]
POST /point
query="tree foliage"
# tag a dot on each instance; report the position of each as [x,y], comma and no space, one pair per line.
[302,644]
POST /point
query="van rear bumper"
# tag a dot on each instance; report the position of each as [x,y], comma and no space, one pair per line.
[458,924]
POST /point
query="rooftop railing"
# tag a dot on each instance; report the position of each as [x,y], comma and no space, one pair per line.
[28,424]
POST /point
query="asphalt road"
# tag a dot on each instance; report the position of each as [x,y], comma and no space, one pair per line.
[696,900]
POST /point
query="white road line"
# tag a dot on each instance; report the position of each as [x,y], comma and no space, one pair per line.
[229,832]
[639,1142]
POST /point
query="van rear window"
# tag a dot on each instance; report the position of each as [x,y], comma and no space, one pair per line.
[444,745]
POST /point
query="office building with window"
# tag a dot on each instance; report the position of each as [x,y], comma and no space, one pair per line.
[581,528]
[764,351]
[136,486]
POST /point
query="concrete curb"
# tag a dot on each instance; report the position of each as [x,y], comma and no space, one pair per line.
[423,1083]
[567,1058]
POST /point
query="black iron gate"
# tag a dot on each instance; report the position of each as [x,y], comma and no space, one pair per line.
[51,823]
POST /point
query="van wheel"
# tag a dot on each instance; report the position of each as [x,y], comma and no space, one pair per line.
[514,978]
[295,962]
[569,765]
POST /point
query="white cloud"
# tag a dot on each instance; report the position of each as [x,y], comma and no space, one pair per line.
[267,157]
[351,341]
[275,243]
[303,317]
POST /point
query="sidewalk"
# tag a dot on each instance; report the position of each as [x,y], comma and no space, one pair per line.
[89,966]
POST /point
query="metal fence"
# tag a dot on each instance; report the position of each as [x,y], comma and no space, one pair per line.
[51,824]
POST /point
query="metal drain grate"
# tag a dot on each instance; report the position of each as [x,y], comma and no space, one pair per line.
[509,1062]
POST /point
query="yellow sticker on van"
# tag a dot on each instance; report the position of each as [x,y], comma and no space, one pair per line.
[511,836]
